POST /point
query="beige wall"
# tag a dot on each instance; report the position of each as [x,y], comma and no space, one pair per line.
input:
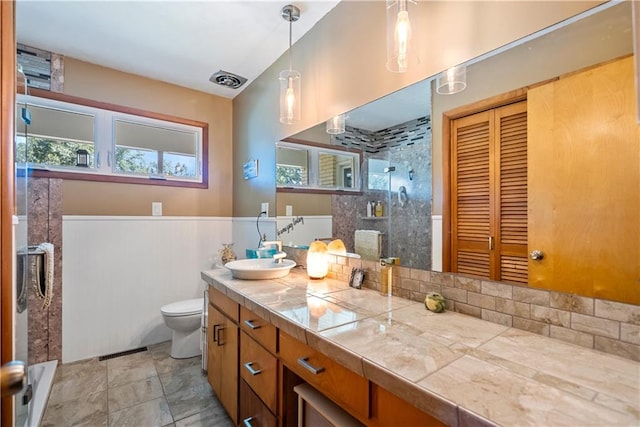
[304,204]
[342,62]
[107,85]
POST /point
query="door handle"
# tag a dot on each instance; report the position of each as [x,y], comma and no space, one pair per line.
[13,376]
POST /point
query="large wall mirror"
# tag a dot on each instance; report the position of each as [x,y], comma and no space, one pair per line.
[402,143]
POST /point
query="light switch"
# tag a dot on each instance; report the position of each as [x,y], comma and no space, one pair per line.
[156,208]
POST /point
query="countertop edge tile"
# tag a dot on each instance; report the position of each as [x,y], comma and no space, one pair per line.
[423,399]
[343,356]
[467,418]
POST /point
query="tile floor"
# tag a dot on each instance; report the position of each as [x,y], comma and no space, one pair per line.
[147,389]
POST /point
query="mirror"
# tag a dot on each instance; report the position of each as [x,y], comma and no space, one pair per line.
[407,227]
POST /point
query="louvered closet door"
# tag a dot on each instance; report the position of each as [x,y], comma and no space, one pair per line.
[511,263]
[489,194]
[471,184]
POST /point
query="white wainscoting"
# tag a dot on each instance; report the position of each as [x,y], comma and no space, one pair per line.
[436,243]
[245,233]
[302,230]
[119,271]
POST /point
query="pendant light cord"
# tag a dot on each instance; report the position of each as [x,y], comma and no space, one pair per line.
[290,38]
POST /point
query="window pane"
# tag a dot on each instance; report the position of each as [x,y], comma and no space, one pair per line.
[51,152]
[377,178]
[336,170]
[290,175]
[144,136]
[136,161]
[175,164]
[51,137]
[291,166]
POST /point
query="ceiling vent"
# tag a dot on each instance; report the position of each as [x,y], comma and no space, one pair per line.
[225,78]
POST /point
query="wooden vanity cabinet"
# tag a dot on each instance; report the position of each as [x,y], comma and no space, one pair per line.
[387,409]
[258,370]
[253,412]
[222,350]
[341,385]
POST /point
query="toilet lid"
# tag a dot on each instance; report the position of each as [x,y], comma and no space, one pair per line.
[183,308]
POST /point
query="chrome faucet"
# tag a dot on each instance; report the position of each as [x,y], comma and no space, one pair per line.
[278,256]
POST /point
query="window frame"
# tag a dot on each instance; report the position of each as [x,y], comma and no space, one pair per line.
[104,127]
[313,173]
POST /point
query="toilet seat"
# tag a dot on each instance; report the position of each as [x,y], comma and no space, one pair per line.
[183,308]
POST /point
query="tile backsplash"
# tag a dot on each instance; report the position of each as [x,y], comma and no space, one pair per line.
[608,326]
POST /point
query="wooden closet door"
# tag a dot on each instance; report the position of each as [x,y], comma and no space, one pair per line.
[471,194]
[510,192]
[489,194]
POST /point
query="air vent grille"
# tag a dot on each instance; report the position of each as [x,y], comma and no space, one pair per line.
[225,78]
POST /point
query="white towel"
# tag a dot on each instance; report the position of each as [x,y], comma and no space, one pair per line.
[368,244]
[48,275]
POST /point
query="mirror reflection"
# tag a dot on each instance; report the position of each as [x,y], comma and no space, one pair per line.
[397,168]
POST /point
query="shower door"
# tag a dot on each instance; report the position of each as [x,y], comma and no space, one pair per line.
[23,262]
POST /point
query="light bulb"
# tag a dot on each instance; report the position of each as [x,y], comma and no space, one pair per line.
[402,36]
[291,100]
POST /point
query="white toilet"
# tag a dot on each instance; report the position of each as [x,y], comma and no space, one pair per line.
[184,319]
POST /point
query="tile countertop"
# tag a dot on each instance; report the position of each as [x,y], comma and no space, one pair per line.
[460,369]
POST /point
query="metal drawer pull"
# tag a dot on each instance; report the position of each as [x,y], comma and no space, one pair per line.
[303,362]
[215,333]
[252,325]
[247,421]
[248,366]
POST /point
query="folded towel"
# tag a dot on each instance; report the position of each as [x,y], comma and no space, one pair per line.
[368,244]
[45,290]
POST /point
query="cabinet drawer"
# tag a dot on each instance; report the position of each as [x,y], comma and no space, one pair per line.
[344,387]
[253,413]
[259,369]
[259,329]
[224,303]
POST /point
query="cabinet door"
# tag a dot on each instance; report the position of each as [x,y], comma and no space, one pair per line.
[222,360]
[228,343]
[214,359]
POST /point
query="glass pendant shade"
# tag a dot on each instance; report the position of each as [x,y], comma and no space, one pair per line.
[289,96]
[452,81]
[336,124]
[399,34]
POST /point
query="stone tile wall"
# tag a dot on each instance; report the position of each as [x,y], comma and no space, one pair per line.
[608,326]
[44,216]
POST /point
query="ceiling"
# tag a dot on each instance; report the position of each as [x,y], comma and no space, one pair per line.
[179,42]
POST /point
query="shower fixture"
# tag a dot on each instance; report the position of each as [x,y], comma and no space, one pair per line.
[389,169]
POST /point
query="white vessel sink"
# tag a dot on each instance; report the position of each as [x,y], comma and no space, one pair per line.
[259,268]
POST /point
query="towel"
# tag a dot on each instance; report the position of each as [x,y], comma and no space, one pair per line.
[368,244]
[45,290]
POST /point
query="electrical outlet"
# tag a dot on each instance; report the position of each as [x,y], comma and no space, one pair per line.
[265,208]
[156,208]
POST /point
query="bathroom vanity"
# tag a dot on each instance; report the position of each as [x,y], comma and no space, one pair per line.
[386,360]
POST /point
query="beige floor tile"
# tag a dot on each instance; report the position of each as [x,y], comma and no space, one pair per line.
[181,379]
[89,410]
[191,400]
[152,413]
[134,393]
[132,368]
[215,416]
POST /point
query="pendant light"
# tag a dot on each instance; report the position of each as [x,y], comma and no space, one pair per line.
[399,51]
[452,81]
[336,124]
[290,79]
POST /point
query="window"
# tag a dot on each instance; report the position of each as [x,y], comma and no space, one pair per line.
[378,179]
[318,168]
[122,146]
